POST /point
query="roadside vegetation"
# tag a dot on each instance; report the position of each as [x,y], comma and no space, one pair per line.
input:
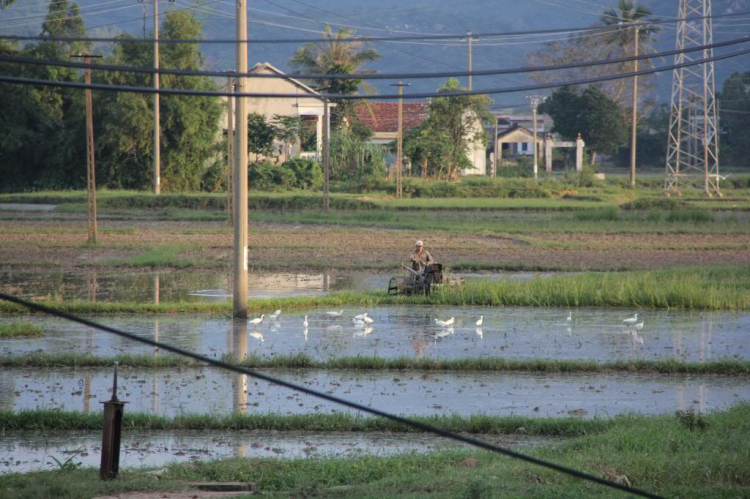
[682,455]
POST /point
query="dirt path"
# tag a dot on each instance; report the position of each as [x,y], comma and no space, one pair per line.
[209,244]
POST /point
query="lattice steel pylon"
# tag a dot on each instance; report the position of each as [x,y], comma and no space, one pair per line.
[693,148]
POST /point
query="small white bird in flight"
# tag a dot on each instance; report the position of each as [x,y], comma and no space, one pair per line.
[570,316]
[305,323]
[480,321]
[275,315]
[257,335]
[333,313]
[444,323]
[639,326]
[257,320]
[632,320]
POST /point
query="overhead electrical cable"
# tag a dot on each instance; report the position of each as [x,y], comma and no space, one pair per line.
[374,76]
[426,95]
[367,38]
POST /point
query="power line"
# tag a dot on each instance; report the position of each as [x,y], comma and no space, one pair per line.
[428,95]
[331,398]
[378,76]
[374,38]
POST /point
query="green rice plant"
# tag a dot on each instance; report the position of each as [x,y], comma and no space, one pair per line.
[691,216]
[19,329]
[610,214]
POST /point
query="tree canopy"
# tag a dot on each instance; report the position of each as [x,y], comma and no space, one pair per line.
[591,113]
[735,119]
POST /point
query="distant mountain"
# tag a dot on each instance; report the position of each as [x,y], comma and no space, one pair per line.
[384,17]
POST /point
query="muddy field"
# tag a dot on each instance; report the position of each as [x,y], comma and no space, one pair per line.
[31,243]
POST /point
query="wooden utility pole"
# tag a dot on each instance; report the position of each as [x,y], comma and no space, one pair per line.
[326,154]
[535,100]
[239,302]
[230,149]
[494,157]
[635,109]
[400,141]
[90,164]
[468,33]
[157,126]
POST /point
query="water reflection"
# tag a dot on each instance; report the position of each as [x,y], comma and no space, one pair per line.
[239,381]
[204,391]
[521,333]
[203,285]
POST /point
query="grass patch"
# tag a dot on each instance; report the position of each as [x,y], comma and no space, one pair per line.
[17,329]
[730,367]
[159,256]
[671,455]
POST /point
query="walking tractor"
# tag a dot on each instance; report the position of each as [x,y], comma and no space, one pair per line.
[421,282]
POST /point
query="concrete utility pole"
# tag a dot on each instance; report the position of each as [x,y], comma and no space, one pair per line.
[494,157]
[635,109]
[230,149]
[90,164]
[239,302]
[326,154]
[400,141]
[157,126]
[535,100]
[470,38]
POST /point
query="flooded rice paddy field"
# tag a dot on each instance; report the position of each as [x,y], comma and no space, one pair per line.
[25,451]
[514,333]
[172,392]
[200,285]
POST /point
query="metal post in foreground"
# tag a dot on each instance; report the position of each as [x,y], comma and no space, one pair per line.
[113,412]
[239,301]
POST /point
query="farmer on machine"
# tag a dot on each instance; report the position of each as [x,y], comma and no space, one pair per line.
[421,258]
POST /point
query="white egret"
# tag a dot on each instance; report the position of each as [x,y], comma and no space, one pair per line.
[444,323]
[257,320]
[631,320]
[361,316]
[570,316]
[368,320]
[305,323]
[257,336]
[333,313]
[480,321]
[275,315]
[639,326]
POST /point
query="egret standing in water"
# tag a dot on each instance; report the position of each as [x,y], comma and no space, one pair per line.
[631,320]
[570,316]
[257,320]
[335,314]
[480,321]
[275,315]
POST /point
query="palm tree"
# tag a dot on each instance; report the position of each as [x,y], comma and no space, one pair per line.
[621,42]
[339,53]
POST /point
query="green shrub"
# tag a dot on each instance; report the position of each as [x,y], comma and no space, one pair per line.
[694,216]
[665,204]
[307,173]
[606,214]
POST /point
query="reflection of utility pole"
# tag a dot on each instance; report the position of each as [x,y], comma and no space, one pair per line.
[400,141]
[535,100]
[230,148]
[90,166]
[635,108]
[239,301]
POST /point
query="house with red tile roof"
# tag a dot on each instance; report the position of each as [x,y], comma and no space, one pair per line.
[382,119]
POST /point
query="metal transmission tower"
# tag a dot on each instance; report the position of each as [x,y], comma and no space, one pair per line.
[693,147]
